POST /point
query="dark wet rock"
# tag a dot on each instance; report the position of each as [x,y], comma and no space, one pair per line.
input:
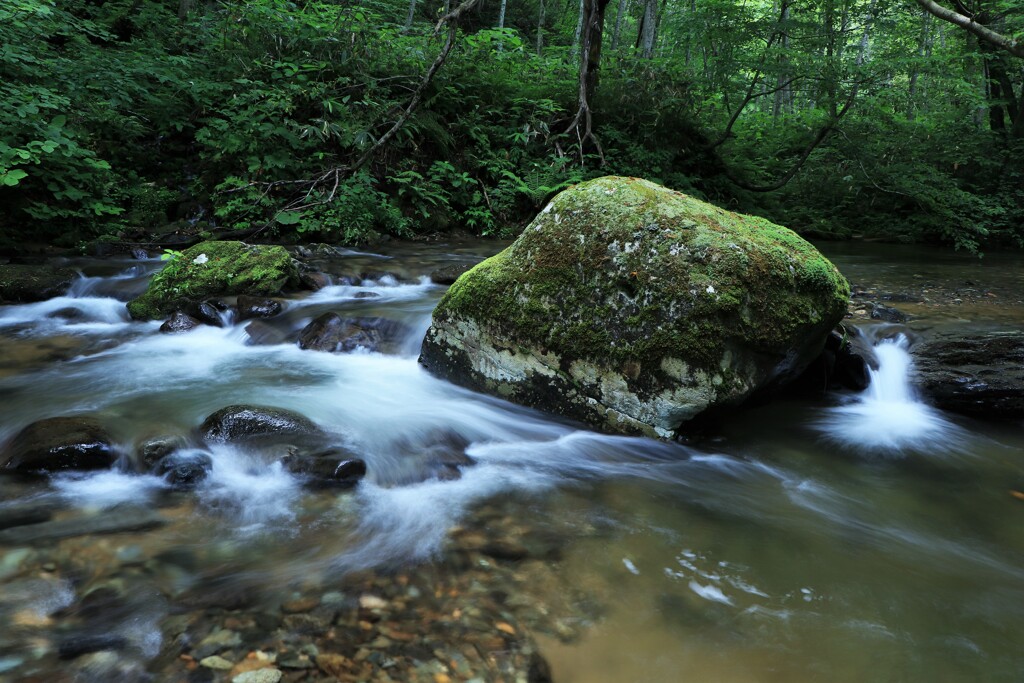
[68,313]
[333,468]
[107,522]
[366,295]
[887,314]
[264,334]
[853,357]
[179,322]
[978,375]
[257,307]
[60,443]
[637,309]
[332,333]
[447,275]
[212,269]
[242,422]
[139,254]
[539,671]
[25,283]
[23,514]
[207,312]
[314,281]
[153,449]
[76,645]
[183,470]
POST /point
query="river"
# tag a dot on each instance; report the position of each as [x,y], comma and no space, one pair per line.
[861,538]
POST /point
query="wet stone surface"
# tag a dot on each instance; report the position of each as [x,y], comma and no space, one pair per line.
[471,614]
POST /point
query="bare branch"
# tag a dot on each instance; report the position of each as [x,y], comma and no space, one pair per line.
[1011,45]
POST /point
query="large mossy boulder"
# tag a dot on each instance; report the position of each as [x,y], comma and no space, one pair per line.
[636,308]
[215,269]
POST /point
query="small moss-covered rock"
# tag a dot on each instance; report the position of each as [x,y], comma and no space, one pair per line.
[26,283]
[215,269]
[636,308]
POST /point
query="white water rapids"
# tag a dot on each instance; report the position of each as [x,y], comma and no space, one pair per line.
[757,551]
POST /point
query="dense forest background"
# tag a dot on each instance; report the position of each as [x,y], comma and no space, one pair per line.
[341,120]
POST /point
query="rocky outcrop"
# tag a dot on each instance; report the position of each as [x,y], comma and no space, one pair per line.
[979,375]
[636,308]
[26,283]
[211,269]
[60,443]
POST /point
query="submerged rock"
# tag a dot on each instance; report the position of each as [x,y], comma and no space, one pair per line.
[332,333]
[179,322]
[447,275]
[262,333]
[183,470]
[332,468]
[979,375]
[152,449]
[114,521]
[208,312]
[212,269]
[257,307]
[60,443]
[635,308]
[241,422]
[26,283]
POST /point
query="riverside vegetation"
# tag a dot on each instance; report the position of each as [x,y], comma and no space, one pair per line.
[329,121]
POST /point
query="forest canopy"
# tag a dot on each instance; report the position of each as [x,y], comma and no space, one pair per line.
[896,119]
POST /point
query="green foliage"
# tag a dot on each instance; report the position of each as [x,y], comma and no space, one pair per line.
[118,113]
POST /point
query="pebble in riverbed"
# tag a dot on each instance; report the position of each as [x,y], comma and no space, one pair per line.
[470,615]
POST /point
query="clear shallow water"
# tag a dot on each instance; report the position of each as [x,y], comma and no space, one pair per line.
[870,539]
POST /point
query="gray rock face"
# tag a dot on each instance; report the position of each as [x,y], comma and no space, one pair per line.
[979,375]
[636,308]
[245,422]
[25,283]
[60,443]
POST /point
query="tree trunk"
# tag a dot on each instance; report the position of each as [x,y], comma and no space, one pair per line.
[540,29]
[409,16]
[784,90]
[579,30]
[591,37]
[648,29]
[923,47]
[618,23]
[184,7]
[501,14]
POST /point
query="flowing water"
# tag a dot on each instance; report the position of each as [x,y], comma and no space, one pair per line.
[864,538]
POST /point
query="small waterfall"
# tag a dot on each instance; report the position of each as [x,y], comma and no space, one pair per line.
[889,416]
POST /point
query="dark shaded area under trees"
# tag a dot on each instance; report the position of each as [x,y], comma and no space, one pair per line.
[896,119]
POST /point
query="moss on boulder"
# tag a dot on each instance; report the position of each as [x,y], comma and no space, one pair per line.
[25,283]
[636,308]
[215,269]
